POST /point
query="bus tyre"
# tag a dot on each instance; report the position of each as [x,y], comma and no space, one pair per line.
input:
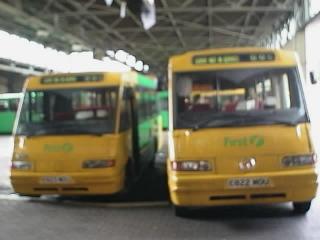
[301,207]
[181,211]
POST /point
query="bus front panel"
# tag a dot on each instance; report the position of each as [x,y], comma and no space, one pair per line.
[66,143]
[239,136]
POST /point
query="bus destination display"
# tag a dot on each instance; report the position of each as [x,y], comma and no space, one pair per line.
[72,79]
[233,58]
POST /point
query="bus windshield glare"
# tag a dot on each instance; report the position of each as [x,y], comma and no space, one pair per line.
[68,111]
[238,97]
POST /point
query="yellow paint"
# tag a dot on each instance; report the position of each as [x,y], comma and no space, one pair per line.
[209,93]
[109,79]
[69,163]
[183,62]
[226,147]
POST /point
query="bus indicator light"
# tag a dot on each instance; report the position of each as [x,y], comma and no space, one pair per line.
[21,165]
[299,160]
[98,164]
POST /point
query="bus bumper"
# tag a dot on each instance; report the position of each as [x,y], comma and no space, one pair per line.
[78,184]
[208,190]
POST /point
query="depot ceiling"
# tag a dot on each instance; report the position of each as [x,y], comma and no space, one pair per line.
[181,25]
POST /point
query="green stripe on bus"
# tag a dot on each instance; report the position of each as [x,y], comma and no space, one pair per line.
[146,82]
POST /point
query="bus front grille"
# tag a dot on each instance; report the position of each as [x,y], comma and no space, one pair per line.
[46,189]
[78,189]
[268,195]
[227,197]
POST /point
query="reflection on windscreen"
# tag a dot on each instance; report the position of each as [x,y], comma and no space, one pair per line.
[68,111]
[235,96]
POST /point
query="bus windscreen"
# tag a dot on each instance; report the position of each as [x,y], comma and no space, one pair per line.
[237,97]
[68,111]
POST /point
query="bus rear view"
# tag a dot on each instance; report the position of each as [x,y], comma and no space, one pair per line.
[239,130]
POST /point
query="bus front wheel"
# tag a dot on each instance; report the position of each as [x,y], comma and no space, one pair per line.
[301,207]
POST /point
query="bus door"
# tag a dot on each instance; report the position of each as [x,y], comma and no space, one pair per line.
[134,161]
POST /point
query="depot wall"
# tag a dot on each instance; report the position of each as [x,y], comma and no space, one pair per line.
[312,37]
[307,44]
[298,44]
[11,82]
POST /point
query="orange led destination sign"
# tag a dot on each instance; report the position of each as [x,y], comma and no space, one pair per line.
[233,58]
[71,78]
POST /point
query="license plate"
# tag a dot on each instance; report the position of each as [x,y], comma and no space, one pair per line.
[55,179]
[248,182]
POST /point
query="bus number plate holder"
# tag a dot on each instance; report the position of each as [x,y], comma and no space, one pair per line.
[55,179]
[248,182]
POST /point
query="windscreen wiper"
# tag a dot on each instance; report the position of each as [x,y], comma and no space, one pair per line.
[38,133]
[72,130]
[268,120]
[241,121]
[282,122]
[220,118]
[61,132]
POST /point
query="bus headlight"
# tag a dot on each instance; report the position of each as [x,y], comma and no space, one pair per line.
[191,165]
[21,165]
[98,164]
[299,160]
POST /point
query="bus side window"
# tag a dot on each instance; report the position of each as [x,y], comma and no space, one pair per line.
[149,104]
[4,106]
[142,106]
[125,120]
[13,104]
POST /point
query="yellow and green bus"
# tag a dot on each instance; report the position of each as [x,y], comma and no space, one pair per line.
[8,108]
[84,133]
[239,130]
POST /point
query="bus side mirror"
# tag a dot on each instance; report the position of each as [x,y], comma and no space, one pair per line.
[312,78]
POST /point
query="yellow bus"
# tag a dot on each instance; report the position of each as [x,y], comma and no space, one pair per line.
[84,133]
[239,130]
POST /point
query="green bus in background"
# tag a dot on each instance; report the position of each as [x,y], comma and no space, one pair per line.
[163,107]
[8,107]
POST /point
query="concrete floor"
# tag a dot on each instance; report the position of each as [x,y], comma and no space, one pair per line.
[109,218]
[28,219]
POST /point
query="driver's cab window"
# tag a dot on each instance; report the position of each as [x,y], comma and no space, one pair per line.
[4,105]
[196,95]
[267,92]
[231,92]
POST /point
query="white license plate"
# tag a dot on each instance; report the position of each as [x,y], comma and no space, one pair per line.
[248,182]
[55,179]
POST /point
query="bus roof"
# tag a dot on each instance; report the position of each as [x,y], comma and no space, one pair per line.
[89,79]
[10,95]
[229,58]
